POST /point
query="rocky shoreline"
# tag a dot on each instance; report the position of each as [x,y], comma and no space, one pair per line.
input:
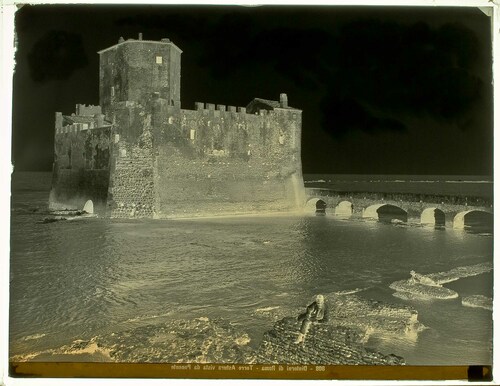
[338,340]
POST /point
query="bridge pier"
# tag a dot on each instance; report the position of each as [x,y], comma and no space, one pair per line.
[432,216]
[344,209]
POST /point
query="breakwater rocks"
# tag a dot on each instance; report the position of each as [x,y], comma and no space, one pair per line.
[324,344]
[340,338]
[366,316]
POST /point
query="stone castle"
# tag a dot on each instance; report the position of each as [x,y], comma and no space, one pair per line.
[139,154]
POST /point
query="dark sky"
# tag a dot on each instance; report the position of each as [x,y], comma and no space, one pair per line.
[383,90]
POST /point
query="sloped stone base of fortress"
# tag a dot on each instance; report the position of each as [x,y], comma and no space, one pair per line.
[188,185]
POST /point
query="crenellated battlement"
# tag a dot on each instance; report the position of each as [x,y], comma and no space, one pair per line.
[85,118]
[211,107]
[90,110]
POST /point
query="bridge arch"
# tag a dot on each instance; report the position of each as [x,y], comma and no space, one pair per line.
[89,207]
[385,213]
[311,203]
[344,208]
[432,216]
[473,219]
[315,204]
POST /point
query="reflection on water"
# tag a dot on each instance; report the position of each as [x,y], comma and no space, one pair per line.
[79,280]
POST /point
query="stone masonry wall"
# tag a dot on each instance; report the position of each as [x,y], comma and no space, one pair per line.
[131,189]
[81,168]
[135,69]
[213,161]
[208,161]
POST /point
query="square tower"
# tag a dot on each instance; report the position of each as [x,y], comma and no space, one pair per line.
[133,70]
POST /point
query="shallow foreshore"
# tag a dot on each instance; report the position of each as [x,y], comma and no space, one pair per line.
[340,340]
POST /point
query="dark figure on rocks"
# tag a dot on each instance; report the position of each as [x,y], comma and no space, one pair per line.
[315,312]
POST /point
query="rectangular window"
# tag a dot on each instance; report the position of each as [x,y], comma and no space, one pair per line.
[159,60]
[112,91]
[191,134]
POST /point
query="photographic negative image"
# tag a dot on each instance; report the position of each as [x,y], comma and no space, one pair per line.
[252,190]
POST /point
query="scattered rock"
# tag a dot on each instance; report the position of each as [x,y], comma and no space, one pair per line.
[478,301]
[430,286]
[461,272]
[48,220]
[423,291]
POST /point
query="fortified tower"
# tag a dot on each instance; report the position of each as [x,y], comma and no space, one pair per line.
[135,70]
[139,154]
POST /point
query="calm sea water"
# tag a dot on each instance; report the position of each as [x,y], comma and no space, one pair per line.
[456,185]
[94,277]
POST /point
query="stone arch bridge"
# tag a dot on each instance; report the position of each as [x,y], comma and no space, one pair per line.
[395,208]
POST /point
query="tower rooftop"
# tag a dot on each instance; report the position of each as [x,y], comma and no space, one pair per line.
[121,42]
